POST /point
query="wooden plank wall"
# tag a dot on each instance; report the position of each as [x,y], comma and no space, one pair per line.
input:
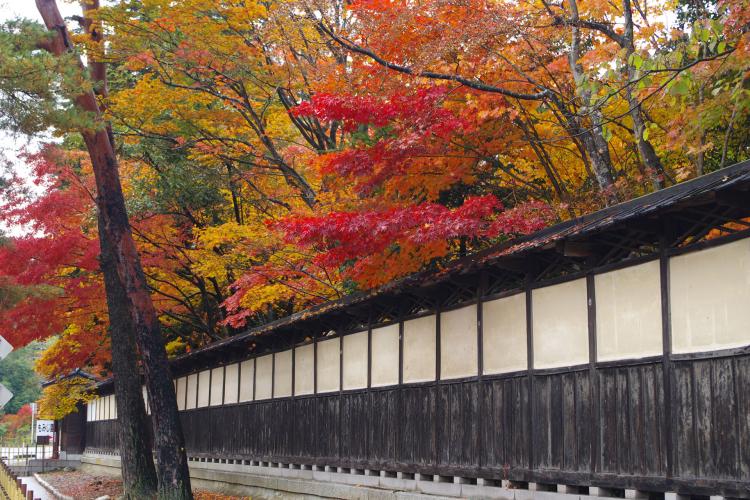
[668,422]
[481,428]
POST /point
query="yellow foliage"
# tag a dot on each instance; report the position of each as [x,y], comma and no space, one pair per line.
[62,398]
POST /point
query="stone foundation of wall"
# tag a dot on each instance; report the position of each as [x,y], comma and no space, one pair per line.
[271,480]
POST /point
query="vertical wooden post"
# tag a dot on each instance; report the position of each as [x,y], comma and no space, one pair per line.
[292,404]
[368,442]
[223,383]
[439,409]
[341,394]
[399,390]
[294,369]
[666,323]
[369,349]
[210,386]
[593,375]
[530,365]
[239,380]
[255,377]
[273,375]
[315,363]
[197,388]
[480,369]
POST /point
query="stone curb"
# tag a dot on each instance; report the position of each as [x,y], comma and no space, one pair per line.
[51,489]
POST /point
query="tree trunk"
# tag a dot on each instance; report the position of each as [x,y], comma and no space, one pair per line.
[136,458]
[645,150]
[591,133]
[173,473]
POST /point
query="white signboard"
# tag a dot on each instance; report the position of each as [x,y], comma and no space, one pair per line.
[5,347]
[45,428]
[5,395]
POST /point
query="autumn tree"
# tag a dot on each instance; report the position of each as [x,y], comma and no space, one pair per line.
[118,245]
[80,111]
[591,65]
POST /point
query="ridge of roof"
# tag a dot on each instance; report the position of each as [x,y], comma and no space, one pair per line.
[579,226]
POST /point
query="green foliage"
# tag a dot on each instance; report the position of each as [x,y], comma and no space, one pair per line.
[38,90]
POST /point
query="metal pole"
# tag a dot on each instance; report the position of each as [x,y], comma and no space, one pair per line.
[33,427]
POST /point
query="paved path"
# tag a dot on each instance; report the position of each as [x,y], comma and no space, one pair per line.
[39,491]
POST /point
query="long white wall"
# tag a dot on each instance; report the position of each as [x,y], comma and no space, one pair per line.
[709,309]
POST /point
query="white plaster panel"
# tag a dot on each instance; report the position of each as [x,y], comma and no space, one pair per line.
[384,356]
[710,298]
[100,409]
[247,380]
[89,410]
[420,349]
[95,410]
[217,386]
[628,312]
[504,335]
[264,377]
[282,385]
[181,392]
[204,384]
[458,343]
[560,329]
[114,407]
[355,360]
[192,391]
[328,365]
[304,370]
[231,383]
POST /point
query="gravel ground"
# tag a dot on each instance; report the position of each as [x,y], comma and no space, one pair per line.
[83,486]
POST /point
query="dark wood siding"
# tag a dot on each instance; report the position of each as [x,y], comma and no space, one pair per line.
[632,427]
[482,427]
[711,431]
[505,426]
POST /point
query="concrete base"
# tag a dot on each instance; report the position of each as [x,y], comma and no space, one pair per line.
[279,480]
[35,466]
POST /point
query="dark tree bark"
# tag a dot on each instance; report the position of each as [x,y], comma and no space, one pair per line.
[136,458]
[646,151]
[173,474]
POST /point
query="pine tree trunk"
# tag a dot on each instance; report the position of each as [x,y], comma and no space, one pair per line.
[172,471]
[136,458]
